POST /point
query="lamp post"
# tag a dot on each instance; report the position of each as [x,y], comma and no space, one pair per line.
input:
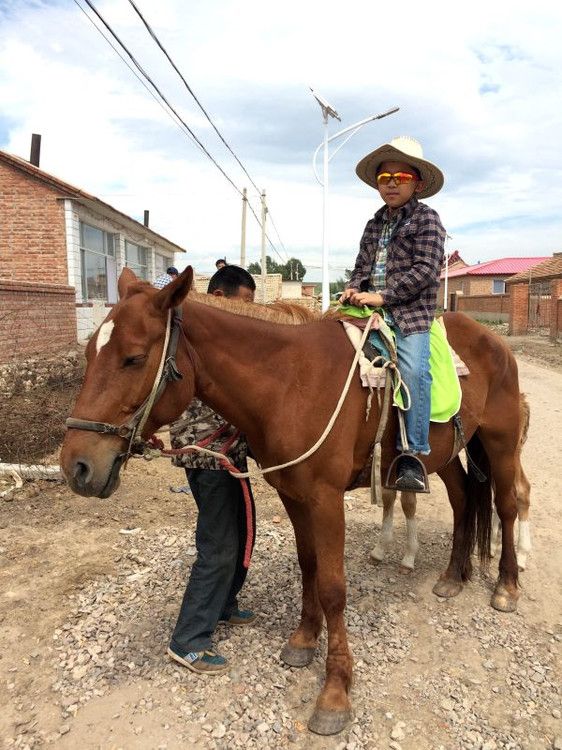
[329,111]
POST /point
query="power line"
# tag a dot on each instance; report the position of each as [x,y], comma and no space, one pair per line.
[188,131]
[188,87]
[160,94]
[152,94]
[202,108]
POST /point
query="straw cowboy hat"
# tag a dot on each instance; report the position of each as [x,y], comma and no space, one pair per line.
[407,150]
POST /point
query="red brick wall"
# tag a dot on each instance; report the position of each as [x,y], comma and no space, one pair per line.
[32,236]
[485,303]
[555,309]
[518,309]
[35,319]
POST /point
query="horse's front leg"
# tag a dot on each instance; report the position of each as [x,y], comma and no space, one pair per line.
[333,709]
[301,646]
[378,553]
[408,501]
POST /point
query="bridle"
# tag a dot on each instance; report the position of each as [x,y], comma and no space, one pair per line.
[131,430]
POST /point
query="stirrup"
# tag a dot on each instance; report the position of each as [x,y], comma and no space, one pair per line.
[391,473]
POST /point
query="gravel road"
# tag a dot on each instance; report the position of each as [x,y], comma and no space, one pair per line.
[86,613]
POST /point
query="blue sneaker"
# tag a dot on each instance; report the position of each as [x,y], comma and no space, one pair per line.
[239,617]
[203,662]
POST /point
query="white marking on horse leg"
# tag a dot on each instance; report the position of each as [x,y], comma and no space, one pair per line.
[412,546]
[379,550]
[523,544]
[409,501]
[104,334]
[496,533]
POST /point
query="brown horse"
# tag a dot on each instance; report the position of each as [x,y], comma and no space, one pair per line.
[280,384]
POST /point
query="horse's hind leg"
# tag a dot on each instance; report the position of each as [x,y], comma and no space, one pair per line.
[408,501]
[459,569]
[523,494]
[503,468]
[300,648]
[378,553]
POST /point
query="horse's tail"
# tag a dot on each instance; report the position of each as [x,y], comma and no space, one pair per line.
[525,416]
[479,494]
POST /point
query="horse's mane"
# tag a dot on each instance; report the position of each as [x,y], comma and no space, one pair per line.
[289,313]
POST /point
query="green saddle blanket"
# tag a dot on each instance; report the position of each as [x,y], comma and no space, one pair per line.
[446,393]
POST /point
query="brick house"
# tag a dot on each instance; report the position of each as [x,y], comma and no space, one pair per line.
[536,299]
[61,252]
[483,280]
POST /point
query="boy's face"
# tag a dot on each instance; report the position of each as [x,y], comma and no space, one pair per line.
[395,194]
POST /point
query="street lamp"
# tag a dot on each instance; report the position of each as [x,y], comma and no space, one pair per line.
[329,111]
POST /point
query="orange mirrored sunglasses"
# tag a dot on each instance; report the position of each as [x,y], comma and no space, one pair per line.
[400,178]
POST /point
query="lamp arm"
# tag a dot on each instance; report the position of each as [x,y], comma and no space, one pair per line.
[353,128]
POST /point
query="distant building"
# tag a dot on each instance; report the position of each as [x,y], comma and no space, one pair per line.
[62,251]
[483,278]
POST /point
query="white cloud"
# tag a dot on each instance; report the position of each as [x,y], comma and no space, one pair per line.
[478,83]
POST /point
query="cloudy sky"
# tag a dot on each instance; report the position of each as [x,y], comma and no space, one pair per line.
[479,84]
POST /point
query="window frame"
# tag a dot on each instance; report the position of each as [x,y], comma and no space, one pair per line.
[108,253]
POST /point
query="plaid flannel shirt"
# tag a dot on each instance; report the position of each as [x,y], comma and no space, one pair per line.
[198,422]
[413,264]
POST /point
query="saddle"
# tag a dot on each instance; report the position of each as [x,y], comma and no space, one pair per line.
[378,369]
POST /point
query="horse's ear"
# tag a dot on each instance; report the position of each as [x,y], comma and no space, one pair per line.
[126,278]
[174,293]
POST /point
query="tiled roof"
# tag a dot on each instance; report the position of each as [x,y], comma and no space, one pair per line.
[550,268]
[499,267]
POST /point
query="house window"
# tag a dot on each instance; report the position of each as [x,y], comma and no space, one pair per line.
[136,258]
[498,286]
[161,263]
[97,258]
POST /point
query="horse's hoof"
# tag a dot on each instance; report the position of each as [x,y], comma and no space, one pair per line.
[297,657]
[376,555]
[328,722]
[503,601]
[447,588]
[406,566]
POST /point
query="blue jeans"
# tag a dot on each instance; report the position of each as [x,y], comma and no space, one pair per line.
[413,362]
[218,572]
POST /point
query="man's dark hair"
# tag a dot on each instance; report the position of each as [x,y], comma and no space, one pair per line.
[229,278]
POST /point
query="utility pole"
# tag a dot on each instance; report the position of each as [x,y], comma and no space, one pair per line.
[243,237]
[263,259]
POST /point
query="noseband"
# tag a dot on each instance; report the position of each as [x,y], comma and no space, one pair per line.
[167,372]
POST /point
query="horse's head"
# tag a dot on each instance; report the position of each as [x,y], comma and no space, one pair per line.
[123,359]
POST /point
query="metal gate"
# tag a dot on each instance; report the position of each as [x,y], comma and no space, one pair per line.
[539,307]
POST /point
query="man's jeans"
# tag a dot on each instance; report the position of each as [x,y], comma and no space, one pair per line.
[218,573]
[413,362]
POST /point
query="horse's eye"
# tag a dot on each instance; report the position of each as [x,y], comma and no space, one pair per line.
[137,359]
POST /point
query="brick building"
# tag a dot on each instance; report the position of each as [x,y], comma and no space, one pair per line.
[486,281]
[535,299]
[61,251]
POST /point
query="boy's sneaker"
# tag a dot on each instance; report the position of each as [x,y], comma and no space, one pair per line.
[203,662]
[409,475]
[239,617]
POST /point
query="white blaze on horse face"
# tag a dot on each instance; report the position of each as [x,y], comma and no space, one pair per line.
[104,334]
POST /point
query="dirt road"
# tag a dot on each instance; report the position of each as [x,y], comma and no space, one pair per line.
[86,612]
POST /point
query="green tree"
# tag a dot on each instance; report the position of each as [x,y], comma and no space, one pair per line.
[292,270]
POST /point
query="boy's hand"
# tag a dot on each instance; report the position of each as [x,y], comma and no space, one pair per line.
[346,294]
[373,299]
